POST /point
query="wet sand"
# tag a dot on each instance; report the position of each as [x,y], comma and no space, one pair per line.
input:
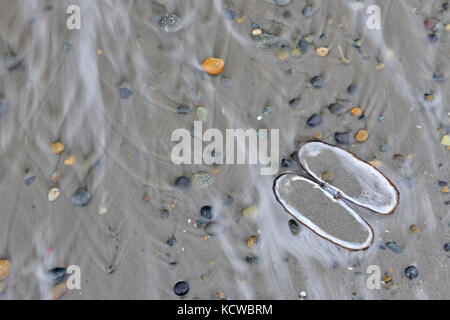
[63,85]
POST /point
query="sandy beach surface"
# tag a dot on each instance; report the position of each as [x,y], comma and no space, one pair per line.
[110,92]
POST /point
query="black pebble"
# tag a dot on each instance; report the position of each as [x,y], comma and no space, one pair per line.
[184,109]
[315,121]
[342,137]
[442,184]
[294,103]
[286,163]
[352,89]
[56,275]
[181,288]
[294,227]
[337,109]
[206,212]
[183,183]
[81,198]
[412,272]
[294,156]
[287,14]
[447,247]
[317,82]
[165,214]
[29,180]
[432,38]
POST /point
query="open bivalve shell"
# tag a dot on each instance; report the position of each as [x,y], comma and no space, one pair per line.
[320,205]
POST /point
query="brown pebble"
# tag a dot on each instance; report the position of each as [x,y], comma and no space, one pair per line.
[213,66]
[252,241]
[146,198]
[220,295]
[70,161]
[5,269]
[386,278]
[58,291]
[399,160]
[414,230]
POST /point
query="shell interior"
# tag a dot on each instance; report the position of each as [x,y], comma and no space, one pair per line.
[317,209]
[355,179]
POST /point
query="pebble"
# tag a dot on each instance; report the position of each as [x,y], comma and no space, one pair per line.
[286,163]
[4,108]
[125,93]
[411,272]
[165,214]
[202,179]
[11,62]
[57,147]
[170,23]
[429,97]
[315,120]
[432,38]
[5,269]
[399,160]
[383,148]
[362,136]
[53,194]
[447,247]
[181,288]
[220,295]
[294,103]
[317,82]
[213,229]
[58,291]
[56,275]
[283,3]
[250,212]
[287,14]
[445,140]
[81,198]
[265,40]
[206,212]
[356,112]
[386,278]
[213,66]
[322,51]
[394,247]
[183,183]
[307,11]
[414,230]
[70,161]
[2,287]
[229,200]
[342,137]
[327,176]
[430,23]
[380,118]
[294,227]
[66,47]
[352,89]
[337,109]
[29,177]
[252,241]
[438,77]
[304,46]
[184,109]
[229,14]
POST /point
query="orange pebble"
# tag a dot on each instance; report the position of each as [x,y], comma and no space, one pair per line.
[57,147]
[213,65]
[356,112]
[70,161]
[362,135]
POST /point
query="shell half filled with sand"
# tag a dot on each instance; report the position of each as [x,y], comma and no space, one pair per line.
[355,179]
[318,210]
